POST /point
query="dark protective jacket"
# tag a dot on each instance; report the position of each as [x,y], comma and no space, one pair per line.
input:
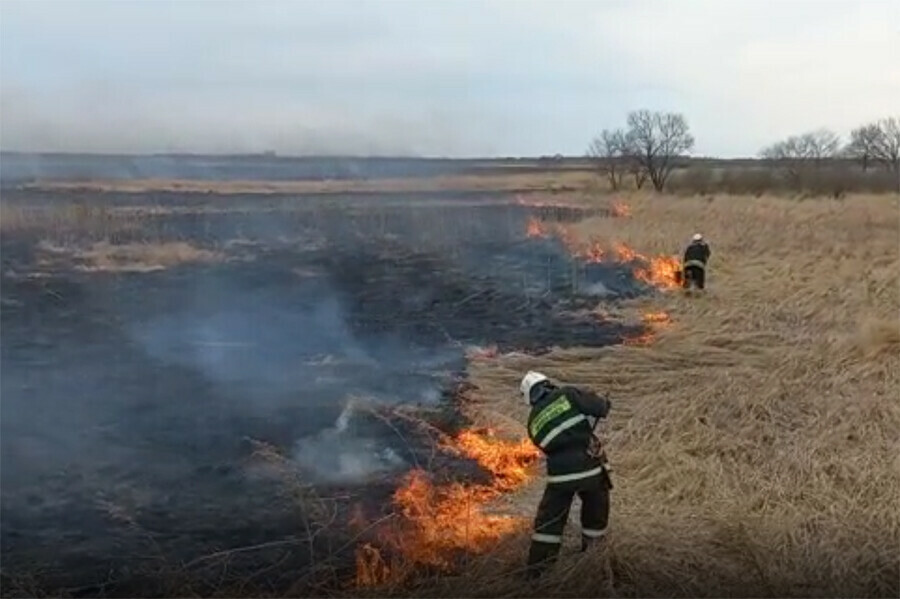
[697,254]
[560,425]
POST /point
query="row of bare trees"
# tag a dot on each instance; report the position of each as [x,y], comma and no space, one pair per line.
[647,149]
[874,144]
[877,142]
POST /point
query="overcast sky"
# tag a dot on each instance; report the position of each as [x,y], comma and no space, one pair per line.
[441,78]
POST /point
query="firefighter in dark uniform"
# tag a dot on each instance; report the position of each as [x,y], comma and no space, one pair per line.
[560,425]
[694,264]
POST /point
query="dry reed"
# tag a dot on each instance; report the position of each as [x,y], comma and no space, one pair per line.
[755,441]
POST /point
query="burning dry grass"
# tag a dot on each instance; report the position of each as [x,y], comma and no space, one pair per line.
[131,257]
[659,271]
[438,524]
[755,441]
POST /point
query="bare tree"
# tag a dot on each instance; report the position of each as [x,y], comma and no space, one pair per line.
[887,148]
[863,142]
[798,152]
[633,163]
[657,139]
[608,151]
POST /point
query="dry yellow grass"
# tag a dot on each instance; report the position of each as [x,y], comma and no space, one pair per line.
[537,181]
[130,257]
[756,442]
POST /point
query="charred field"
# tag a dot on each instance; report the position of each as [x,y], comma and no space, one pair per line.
[225,395]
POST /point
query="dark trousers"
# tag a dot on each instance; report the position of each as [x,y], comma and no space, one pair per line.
[695,274]
[553,513]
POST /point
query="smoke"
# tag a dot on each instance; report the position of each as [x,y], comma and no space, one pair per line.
[339,455]
[84,120]
[141,391]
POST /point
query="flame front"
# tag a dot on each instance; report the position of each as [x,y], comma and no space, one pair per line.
[625,253]
[508,462]
[645,338]
[659,318]
[536,228]
[621,210]
[440,522]
[660,271]
[655,321]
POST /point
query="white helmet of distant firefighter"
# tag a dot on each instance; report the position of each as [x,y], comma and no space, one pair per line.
[697,237]
[530,379]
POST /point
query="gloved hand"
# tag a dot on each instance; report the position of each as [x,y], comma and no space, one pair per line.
[607,405]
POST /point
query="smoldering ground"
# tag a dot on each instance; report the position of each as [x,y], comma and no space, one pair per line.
[134,402]
[19,167]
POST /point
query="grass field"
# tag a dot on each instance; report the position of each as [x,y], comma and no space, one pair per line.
[755,440]
[531,181]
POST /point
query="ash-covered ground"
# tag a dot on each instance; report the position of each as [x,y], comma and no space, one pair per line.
[136,406]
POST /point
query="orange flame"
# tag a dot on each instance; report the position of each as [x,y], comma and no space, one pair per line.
[508,462]
[662,272]
[655,320]
[659,271]
[621,210]
[645,338]
[594,253]
[536,228]
[625,253]
[438,523]
[659,318]
[589,252]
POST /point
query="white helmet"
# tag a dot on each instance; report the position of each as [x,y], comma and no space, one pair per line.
[697,237]
[530,379]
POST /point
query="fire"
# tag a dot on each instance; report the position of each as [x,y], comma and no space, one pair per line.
[661,271]
[660,318]
[508,462]
[567,237]
[536,228]
[621,210]
[625,253]
[440,522]
[654,320]
[642,339]
[594,253]
[589,252]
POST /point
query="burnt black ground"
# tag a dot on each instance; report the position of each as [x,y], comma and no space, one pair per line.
[131,402]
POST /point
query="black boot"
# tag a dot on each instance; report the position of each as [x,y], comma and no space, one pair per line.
[586,543]
[540,557]
[589,542]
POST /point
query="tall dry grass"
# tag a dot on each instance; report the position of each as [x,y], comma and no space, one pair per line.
[508,181]
[756,442]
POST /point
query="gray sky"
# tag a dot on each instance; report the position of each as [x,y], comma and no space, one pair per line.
[435,78]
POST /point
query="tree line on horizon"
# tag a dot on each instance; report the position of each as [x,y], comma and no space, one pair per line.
[652,145]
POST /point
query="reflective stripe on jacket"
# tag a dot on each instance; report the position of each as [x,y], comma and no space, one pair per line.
[559,425]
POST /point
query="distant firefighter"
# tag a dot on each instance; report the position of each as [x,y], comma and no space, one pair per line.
[696,257]
[560,425]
